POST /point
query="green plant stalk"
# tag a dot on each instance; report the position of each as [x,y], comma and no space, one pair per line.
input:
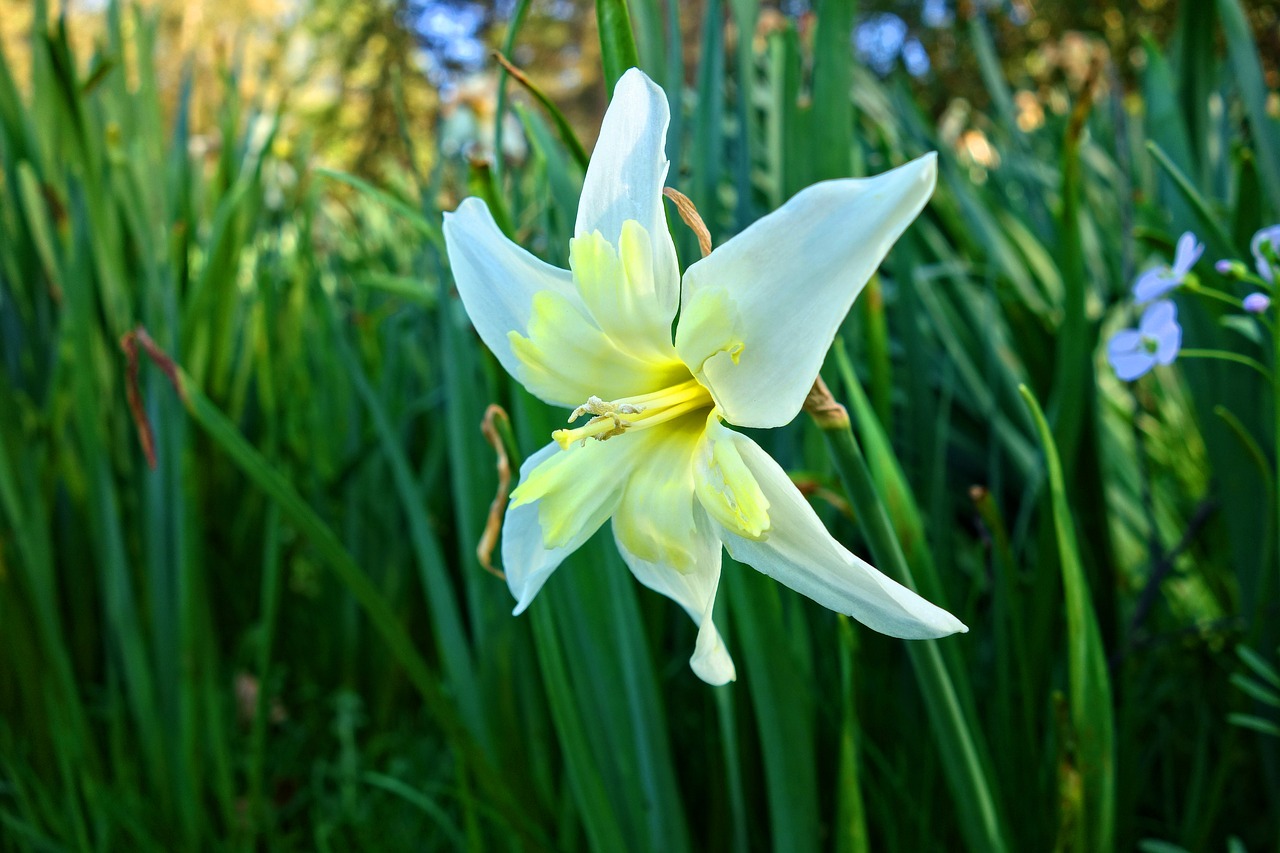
[1092,715]
[567,136]
[1273,480]
[1218,238]
[455,652]
[508,44]
[258,733]
[851,817]
[876,329]
[1246,68]
[617,41]
[1227,355]
[378,610]
[599,822]
[980,823]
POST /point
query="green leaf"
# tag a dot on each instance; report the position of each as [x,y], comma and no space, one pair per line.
[1092,715]
[1246,70]
[617,41]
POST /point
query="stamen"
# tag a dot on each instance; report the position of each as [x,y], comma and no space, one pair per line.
[642,411]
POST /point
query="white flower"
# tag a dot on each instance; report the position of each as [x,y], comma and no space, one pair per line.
[756,319]
[1158,281]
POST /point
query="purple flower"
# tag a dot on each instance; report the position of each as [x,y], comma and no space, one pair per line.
[1257,303]
[1158,281]
[1265,246]
[1156,341]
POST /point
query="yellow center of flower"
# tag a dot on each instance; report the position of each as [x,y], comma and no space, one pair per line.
[614,417]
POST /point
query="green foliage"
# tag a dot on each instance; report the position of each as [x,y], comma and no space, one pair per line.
[280,637]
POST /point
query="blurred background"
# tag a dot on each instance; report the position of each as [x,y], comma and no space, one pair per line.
[241,604]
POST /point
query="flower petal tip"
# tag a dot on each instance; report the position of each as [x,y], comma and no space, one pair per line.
[522,602]
[943,624]
[715,668]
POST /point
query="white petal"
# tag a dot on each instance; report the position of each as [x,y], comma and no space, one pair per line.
[625,177]
[564,496]
[496,278]
[695,591]
[759,313]
[799,552]
[667,540]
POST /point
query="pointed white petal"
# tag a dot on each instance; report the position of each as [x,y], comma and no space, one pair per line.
[496,278]
[798,551]
[625,178]
[759,313]
[563,497]
[671,545]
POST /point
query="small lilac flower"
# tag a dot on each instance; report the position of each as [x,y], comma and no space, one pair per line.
[1265,246]
[1223,267]
[1156,341]
[1158,281]
[1257,303]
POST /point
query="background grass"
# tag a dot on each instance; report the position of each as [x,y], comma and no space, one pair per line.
[280,636]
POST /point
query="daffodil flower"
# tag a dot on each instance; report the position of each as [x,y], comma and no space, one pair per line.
[1157,340]
[1158,281]
[756,318]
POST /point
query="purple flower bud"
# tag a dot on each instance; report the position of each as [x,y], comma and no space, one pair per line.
[1257,303]
[1231,269]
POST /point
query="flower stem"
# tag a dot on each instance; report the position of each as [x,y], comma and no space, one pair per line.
[1227,355]
[1212,293]
[952,728]
[1275,429]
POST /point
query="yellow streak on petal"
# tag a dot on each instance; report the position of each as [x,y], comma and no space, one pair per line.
[655,520]
[575,490]
[565,357]
[725,485]
[617,287]
[708,325]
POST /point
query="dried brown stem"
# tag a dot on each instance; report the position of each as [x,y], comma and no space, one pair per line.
[129,342]
[493,526]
